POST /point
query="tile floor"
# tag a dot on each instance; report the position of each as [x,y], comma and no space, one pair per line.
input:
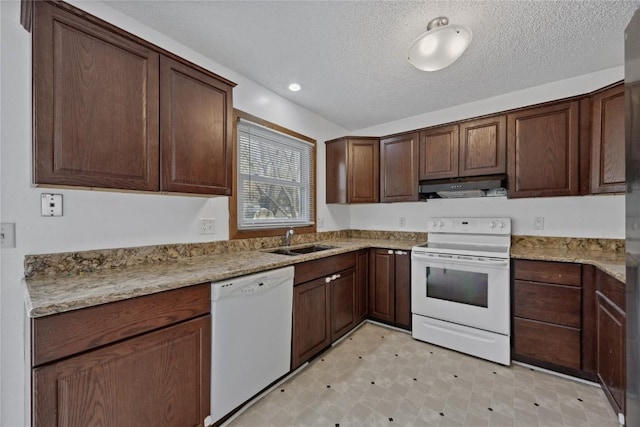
[382,377]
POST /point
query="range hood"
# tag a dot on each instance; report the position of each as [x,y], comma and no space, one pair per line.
[479,186]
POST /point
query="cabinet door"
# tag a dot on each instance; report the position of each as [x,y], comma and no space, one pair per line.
[439,153]
[311,327]
[362,285]
[343,302]
[382,285]
[610,350]
[483,146]
[363,171]
[403,289]
[336,168]
[542,145]
[95,104]
[160,378]
[607,142]
[399,168]
[196,131]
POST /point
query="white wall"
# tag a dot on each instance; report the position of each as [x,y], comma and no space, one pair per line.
[97,219]
[587,216]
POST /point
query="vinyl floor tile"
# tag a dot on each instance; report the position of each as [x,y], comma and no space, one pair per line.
[382,377]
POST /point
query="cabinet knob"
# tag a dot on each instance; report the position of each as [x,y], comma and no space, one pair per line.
[401,252]
[335,276]
[390,251]
[327,279]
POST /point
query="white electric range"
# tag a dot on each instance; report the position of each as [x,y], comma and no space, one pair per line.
[460,294]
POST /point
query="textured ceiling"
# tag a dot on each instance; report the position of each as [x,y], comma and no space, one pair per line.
[350,57]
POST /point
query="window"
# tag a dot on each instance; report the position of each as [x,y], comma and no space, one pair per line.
[275,173]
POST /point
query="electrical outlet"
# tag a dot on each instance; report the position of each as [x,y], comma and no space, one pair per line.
[51,204]
[8,235]
[538,223]
[320,222]
[207,226]
[402,222]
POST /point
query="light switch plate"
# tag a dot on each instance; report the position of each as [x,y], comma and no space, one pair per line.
[8,235]
[51,204]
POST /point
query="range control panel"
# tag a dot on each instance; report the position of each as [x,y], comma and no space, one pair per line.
[470,225]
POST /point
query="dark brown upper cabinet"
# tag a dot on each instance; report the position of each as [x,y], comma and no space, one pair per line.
[96,98]
[353,170]
[607,141]
[196,130]
[542,146]
[110,109]
[472,148]
[399,168]
[439,152]
[483,146]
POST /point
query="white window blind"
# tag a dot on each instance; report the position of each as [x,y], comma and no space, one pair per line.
[275,185]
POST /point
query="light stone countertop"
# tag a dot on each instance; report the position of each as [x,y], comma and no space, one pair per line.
[47,295]
[51,294]
[611,263]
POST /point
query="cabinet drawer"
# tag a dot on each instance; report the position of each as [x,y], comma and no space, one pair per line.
[311,270]
[561,273]
[547,342]
[64,334]
[546,302]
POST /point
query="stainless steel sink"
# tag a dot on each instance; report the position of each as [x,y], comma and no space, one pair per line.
[301,251]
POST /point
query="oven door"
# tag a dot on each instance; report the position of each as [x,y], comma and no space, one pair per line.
[471,291]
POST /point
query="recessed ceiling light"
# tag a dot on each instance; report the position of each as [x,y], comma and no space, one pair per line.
[294,87]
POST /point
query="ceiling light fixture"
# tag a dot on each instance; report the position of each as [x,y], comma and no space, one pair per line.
[439,46]
[294,87]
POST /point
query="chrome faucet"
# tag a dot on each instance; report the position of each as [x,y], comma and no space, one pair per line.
[287,237]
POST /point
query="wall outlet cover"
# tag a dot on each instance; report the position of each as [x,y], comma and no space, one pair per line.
[207,226]
[8,235]
[51,204]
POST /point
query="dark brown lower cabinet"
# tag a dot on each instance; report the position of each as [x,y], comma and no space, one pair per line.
[547,342]
[570,318]
[547,310]
[327,302]
[390,287]
[311,323]
[159,377]
[610,339]
[403,289]
[343,303]
[362,285]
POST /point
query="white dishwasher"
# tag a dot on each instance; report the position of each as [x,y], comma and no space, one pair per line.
[251,336]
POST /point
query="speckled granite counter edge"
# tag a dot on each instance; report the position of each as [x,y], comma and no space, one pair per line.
[606,254]
[51,294]
[85,262]
[98,277]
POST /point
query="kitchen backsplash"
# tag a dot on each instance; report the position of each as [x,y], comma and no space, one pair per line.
[90,261]
[569,243]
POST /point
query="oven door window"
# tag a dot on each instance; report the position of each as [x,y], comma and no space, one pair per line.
[464,287]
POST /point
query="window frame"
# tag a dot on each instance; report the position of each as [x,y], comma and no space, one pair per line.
[234,232]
